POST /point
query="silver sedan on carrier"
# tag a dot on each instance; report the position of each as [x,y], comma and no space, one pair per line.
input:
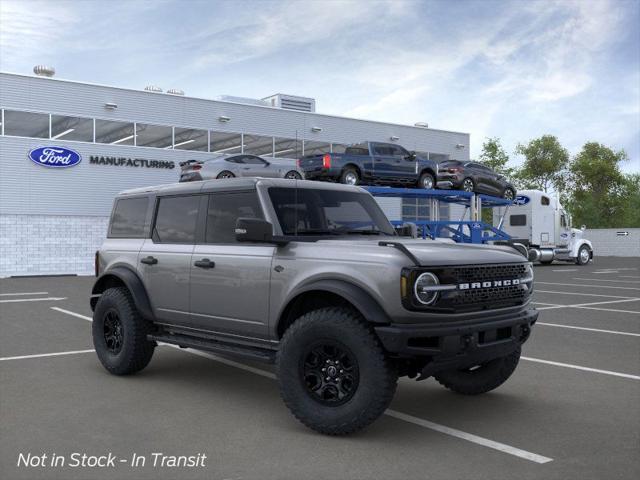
[243,165]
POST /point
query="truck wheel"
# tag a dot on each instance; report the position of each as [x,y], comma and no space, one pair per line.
[583,255]
[480,378]
[120,333]
[426,181]
[332,372]
[349,176]
[468,185]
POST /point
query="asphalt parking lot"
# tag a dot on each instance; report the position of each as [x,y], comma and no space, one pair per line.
[571,410]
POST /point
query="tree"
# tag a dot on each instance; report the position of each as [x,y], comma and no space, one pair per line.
[495,157]
[545,163]
[598,194]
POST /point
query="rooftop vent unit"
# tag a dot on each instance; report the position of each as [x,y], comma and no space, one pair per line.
[153,88]
[291,102]
[44,71]
[421,124]
[175,91]
[245,100]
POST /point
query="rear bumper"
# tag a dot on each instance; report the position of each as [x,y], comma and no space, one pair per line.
[458,346]
[321,173]
[451,181]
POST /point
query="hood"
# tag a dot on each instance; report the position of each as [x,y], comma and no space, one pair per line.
[437,253]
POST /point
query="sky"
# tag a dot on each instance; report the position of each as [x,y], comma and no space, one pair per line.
[509,69]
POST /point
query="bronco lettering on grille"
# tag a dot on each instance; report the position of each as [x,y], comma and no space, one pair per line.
[488,284]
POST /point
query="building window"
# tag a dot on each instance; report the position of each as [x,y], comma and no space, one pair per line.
[114,133]
[258,145]
[191,139]
[71,128]
[227,143]
[316,148]
[287,148]
[156,136]
[26,124]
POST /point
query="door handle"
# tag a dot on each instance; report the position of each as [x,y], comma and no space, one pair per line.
[204,263]
[149,260]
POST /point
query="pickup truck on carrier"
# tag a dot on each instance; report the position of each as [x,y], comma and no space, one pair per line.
[372,163]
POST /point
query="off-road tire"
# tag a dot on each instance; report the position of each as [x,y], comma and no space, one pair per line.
[225,174]
[579,260]
[345,175]
[377,375]
[424,177]
[487,377]
[136,351]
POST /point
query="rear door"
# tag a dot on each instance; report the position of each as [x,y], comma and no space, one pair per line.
[403,167]
[165,258]
[229,292]
[383,161]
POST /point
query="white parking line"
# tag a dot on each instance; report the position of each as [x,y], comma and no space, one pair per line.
[614,332]
[628,282]
[566,270]
[40,355]
[16,300]
[469,437]
[580,367]
[611,310]
[73,314]
[533,457]
[584,294]
[629,276]
[589,286]
[587,305]
[22,293]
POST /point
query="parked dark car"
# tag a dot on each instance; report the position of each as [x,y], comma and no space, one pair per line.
[474,177]
[372,163]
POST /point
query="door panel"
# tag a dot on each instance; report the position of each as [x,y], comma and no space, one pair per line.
[232,296]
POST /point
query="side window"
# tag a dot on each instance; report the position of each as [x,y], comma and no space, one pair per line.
[223,212]
[176,219]
[129,217]
[545,200]
[518,220]
[253,160]
[563,220]
[398,151]
[238,159]
[381,149]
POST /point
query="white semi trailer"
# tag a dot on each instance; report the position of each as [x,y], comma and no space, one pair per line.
[539,222]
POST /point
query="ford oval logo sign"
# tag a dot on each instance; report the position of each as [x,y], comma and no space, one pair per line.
[55,157]
[521,200]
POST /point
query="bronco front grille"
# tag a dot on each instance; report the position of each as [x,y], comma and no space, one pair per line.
[478,287]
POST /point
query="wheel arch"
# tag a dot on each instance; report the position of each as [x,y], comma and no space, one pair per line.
[430,171]
[328,292]
[121,276]
[355,167]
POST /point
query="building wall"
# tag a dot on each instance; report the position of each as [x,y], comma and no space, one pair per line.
[607,242]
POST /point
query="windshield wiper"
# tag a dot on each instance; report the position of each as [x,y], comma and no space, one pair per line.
[364,232]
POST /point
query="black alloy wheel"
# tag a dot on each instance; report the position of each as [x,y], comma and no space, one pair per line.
[330,373]
[113,335]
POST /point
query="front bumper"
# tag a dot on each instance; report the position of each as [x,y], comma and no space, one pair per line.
[459,345]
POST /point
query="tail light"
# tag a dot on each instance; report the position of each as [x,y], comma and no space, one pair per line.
[299,162]
[454,170]
[326,161]
[96,263]
[196,167]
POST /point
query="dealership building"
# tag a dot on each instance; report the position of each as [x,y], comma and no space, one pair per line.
[53,219]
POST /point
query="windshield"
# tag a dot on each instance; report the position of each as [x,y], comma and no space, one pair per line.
[328,212]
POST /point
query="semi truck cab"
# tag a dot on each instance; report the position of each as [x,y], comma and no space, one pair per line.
[538,221]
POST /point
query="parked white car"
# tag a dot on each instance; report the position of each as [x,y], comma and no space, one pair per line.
[242,165]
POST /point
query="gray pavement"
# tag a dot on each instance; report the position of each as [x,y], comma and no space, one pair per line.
[582,411]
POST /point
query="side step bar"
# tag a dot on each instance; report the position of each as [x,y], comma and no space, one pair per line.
[185,341]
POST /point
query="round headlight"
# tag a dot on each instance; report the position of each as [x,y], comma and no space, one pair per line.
[421,289]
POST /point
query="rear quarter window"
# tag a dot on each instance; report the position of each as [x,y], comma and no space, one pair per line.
[128,218]
[176,219]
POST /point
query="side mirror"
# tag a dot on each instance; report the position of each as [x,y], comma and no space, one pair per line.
[253,230]
[583,228]
[411,156]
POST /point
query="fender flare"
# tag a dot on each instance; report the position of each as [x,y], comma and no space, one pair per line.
[580,243]
[133,283]
[357,296]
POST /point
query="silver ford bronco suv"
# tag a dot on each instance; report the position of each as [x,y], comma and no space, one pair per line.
[310,276]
